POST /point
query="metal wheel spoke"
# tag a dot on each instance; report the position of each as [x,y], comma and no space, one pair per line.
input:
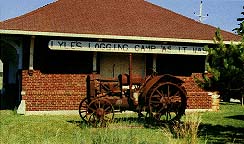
[99,104]
[85,116]
[157,102]
[168,92]
[83,111]
[107,108]
[163,94]
[107,117]
[93,104]
[159,93]
[167,116]
[92,109]
[86,101]
[177,93]
[104,105]
[83,106]
[155,96]
[90,116]
[161,109]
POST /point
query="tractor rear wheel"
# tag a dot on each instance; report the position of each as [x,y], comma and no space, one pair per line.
[167,102]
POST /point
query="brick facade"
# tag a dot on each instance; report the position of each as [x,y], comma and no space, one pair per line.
[197,98]
[46,92]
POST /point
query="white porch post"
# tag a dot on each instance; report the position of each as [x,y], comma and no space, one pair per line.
[155,62]
[94,63]
[32,43]
[20,56]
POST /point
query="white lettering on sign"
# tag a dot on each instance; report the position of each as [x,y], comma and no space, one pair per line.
[125,47]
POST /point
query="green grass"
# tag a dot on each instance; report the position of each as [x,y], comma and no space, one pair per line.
[224,126]
[70,130]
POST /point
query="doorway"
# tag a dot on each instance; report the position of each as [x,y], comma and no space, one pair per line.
[9,83]
[113,64]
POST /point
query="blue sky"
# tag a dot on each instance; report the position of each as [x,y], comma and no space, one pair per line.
[222,13]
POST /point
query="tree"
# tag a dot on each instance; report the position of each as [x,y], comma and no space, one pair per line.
[225,65]
[240,30]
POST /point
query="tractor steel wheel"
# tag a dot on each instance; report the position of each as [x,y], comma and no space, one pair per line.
[167,101]
[102,112]
[83,111]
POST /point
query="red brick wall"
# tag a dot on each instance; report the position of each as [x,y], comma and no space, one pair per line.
[197,98]
[45,92]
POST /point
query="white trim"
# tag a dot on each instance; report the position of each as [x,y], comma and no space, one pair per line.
[22,107]
[57,112]
[111,37]
[11,42]
[32,44]
[75,112]
[197,110]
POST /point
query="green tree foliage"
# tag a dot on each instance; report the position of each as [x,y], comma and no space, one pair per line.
[240,30]
[225,65]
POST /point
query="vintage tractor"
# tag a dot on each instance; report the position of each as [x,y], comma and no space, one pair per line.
[157,97]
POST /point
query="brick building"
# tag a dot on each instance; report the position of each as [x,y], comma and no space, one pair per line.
[48,53]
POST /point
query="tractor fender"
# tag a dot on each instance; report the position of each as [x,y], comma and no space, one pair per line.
[159,79]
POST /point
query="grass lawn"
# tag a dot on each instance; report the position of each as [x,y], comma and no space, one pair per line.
[225,126]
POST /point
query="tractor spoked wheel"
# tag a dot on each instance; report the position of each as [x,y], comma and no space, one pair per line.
[101,112]
[167,102]
[83,110]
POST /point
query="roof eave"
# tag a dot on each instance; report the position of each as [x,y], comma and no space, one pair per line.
[36,33]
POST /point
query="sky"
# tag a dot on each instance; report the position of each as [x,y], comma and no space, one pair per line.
[221,13]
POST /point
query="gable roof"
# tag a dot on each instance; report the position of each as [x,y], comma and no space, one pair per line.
[114,18]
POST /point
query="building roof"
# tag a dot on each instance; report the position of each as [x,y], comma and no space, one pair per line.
[113,17]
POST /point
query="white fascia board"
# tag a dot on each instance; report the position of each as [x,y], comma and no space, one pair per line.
[21,32]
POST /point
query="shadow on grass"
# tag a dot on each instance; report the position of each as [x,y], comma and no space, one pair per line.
[217,134]
[230,103]
[236,117]
[130,120]
[79,123]
[142,122]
